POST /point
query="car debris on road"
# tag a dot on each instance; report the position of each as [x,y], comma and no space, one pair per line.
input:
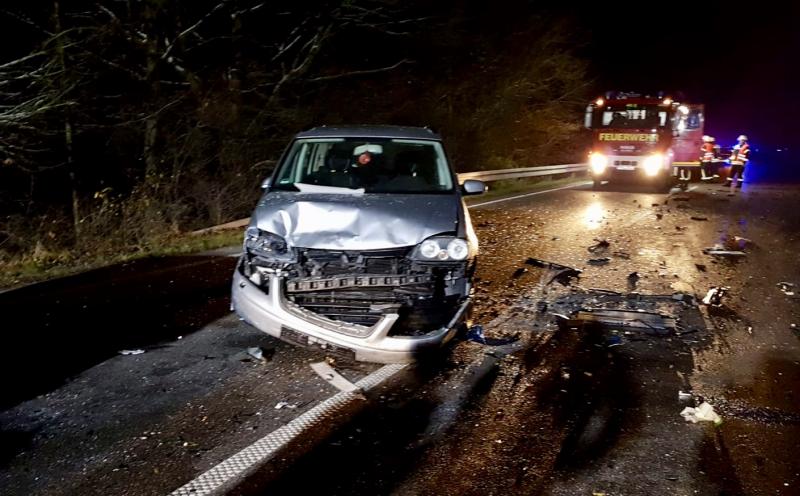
[131,352]
[518,273]
[600,245]
[787,288]
[257,352]
[719,251]
[714,296]
[633,279]
[702,413]
[598,261]
[624,319]
[562,273]
[476,335]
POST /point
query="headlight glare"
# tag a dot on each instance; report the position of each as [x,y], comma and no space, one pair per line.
[598,162]
[653,164]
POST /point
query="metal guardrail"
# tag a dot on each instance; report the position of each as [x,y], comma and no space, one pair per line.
[485,176]
[545,170]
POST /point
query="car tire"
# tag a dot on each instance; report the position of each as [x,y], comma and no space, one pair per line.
[597,185]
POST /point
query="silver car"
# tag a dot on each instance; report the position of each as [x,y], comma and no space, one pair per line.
[361,245]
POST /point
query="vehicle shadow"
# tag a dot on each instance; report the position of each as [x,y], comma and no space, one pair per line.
[56,329]
[591,402]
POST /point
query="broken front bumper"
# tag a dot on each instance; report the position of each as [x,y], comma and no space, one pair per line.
[269,311]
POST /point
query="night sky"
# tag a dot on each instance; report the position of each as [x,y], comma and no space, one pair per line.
[742,62]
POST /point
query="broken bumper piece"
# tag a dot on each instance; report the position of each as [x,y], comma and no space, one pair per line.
[649,322]
[269,311]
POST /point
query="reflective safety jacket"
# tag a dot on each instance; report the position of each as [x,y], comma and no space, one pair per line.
[740,154]
[708,152]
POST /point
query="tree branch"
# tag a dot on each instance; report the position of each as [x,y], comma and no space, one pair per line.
[361,72]
[192,28]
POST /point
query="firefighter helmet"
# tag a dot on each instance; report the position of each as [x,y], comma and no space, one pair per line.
[707,139]
[741,137]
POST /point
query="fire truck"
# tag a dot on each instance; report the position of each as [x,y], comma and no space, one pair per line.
[650,139]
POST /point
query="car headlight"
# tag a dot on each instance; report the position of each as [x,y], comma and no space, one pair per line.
[457,249]
[598,162]
[266,244]
[653,164]
[443,248]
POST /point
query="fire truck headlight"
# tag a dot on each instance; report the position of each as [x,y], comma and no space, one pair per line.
[598,163]
[653,164]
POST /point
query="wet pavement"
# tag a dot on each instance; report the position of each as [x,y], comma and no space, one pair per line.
[556,409]
[59,328]
[573,412]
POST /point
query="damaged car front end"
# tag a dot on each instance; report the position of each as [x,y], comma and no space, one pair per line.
[361,246]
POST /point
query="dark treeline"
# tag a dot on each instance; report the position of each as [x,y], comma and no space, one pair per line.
[125,121]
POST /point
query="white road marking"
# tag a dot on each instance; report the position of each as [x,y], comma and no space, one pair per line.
[581,183]
[233,470]
[324,370]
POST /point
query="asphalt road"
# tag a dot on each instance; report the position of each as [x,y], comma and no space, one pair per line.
[550,410]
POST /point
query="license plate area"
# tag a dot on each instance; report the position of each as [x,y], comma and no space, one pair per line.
[625,167]
[307,341]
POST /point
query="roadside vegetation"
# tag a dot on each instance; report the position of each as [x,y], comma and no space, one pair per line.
[125,125]
[22,270]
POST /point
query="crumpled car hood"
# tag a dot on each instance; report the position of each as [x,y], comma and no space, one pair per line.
[355,222]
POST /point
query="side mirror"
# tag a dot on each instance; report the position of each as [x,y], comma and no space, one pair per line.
[266,183]
[473,187]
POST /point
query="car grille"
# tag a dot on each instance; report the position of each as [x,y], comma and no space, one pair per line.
[358,307]
[329,262]
[361,287]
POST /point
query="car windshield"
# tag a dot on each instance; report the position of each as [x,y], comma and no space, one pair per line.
[365,165]
[633,117]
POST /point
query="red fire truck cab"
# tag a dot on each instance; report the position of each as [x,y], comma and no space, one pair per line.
[649,139]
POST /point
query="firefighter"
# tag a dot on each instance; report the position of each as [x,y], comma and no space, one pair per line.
[739,158]
[708,154]
[684,177]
